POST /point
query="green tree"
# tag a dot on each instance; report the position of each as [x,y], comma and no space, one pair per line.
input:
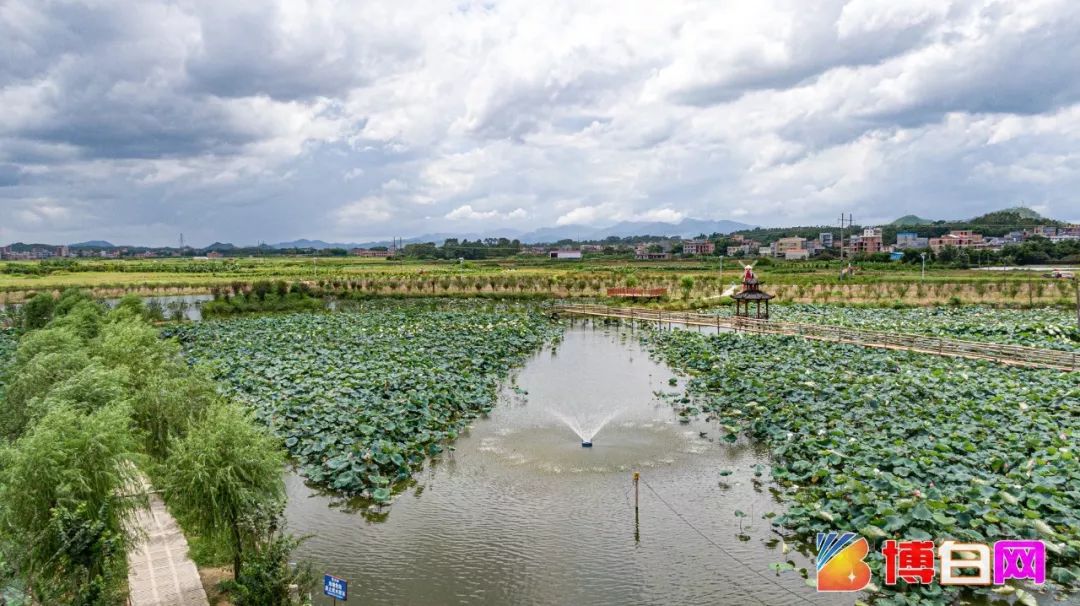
[223,469]
[37,312]
[166,406]
[63,504]
[32,382]
[686,283]
[128,306]
[69,299]
[84,318]
[132,344]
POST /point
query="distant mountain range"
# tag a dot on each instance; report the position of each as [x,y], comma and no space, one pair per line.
[687,228]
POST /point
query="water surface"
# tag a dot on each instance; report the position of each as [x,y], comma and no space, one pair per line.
[520,513]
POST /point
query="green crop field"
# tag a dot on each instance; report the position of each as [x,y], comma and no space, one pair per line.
[805,282]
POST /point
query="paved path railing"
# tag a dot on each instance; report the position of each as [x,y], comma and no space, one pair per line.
[1006,354]
[160,573]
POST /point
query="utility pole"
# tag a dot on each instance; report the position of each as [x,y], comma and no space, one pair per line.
[1076,283]
[922,256]
[842,232]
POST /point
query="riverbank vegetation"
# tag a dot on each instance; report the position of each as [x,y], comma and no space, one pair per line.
[93,400]
[897,445]
[361,400]
[262,296]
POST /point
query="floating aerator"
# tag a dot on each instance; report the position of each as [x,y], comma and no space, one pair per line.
[586,443]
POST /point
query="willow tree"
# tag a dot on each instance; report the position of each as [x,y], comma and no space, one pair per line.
[223,476]
[65,501]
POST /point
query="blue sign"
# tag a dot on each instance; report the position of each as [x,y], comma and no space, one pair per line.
[334,587]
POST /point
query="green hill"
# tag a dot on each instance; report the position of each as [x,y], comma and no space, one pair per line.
[1019,217]
[911,220]
[1024,212]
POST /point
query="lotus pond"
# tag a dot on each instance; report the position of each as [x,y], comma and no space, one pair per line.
[510,508]
[1040,327]
[519,513]
[361,399]
[897,444]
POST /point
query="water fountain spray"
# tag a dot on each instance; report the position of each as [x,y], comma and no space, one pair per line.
[589,431]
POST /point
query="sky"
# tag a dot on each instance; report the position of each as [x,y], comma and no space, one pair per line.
[262,121]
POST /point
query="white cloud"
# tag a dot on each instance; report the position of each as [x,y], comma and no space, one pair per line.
[583,215]
[663,215]
[281,119]
[366,210]
[467,213]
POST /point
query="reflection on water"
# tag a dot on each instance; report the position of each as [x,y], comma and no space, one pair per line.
[520,513]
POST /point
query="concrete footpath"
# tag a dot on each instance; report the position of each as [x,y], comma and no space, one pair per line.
[160,573]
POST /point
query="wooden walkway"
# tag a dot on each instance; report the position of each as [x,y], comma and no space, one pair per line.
[160,573]
[1016,355]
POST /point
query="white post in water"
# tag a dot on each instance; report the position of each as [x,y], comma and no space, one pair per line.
[637,518]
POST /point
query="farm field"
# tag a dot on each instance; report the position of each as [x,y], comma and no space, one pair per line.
[812,282]
[895,444]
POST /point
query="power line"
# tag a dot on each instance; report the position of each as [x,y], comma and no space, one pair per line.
[725,551]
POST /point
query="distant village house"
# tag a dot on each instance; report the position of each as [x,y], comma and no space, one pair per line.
[565,254]
[698,247]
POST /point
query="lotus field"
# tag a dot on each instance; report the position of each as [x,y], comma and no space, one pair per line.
[361,399]
[1041,327]
[896,444]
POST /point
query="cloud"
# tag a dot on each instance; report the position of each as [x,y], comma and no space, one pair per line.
[246,121]
[582,215]
[365,211]
[467,213]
